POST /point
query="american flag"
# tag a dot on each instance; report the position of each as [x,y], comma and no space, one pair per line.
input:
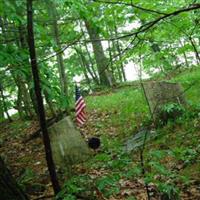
[80,108]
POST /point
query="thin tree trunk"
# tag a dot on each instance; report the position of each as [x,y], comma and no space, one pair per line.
[195,50]
[117,67]
[184,55]
[50,104]
[186,60]
[28,98]
[63,79]
[84,68]
[23,93]
[83,65]
[110,57]
[42,118]
[21,102]
[89,56]
[19,96]
[119,54]
[1,109]
[101,60]
[4,103]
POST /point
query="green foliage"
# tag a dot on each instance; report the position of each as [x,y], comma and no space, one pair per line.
[172,107]
[26,178]
[186,155]
[108,185]
[167,46]
[75,186]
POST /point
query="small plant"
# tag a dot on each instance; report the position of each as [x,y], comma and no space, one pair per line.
[168,191]
[75,187]
[171,111]
[163,178]
[27,176]
[108,185]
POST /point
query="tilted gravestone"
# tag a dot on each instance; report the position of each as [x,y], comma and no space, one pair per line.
[68,146]
[162,93]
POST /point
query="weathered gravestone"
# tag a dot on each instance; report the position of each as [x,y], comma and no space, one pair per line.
[161,93]
[137,140]
[68,146]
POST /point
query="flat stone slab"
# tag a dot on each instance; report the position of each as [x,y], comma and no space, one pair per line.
[68,146]
[137,140]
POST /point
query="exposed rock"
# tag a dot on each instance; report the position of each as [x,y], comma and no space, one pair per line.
[160,94]
[68,145]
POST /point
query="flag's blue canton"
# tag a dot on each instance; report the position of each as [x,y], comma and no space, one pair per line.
[78,93]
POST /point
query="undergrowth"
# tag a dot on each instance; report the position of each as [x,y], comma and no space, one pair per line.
[168,159]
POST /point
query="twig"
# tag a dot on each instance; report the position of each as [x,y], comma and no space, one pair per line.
[44,197]
[130,4]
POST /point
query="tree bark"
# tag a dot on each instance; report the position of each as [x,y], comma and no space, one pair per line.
[42,118]
[195,50]
[9,189]
[61,68]
[1,110]
[50,104]
[83,65]
[29,79]
[4,104]
[23,93]
[119,54]
[101,60]
[91,63]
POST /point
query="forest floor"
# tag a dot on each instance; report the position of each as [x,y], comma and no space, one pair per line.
[172,160]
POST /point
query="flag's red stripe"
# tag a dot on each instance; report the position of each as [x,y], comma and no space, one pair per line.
[81,116]
[80,108]
[79,121]
[79,100]
[80,111]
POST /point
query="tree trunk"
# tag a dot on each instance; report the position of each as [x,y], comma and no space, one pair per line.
[9,189]
[119,54]
[110,57]
[22,105]
[91,63]
[29,79]
[1,110]
[83,65]
[4,104]
[101,60]
[63,79]
[115,55]
[40,105]
[195,50]
[24,100]
[50,104]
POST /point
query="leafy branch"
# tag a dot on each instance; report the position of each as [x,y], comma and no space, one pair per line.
[132,5]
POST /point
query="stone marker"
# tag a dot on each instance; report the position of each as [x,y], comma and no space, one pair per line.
[162,93]
[68,146]
[136,141]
